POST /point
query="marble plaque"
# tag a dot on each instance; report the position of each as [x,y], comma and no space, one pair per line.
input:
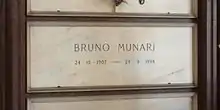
[110,54]
[107,7]
[168,7]
[138,102]
[70,5]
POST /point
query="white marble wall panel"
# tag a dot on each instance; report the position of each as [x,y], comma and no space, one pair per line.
[165,55]
[103,7]
[183,102]
[158,7]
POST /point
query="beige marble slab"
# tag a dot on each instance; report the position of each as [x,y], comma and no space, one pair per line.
[53,59]
[154,102]
[70,5]
[158,7]
[103,7]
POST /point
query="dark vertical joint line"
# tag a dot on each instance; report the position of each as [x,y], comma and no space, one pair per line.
[218,52]
[2,55]
[206,100]
[215,55]
[209,56]
[15,68]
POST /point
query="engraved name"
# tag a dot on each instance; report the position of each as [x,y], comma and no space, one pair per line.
[105,47]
